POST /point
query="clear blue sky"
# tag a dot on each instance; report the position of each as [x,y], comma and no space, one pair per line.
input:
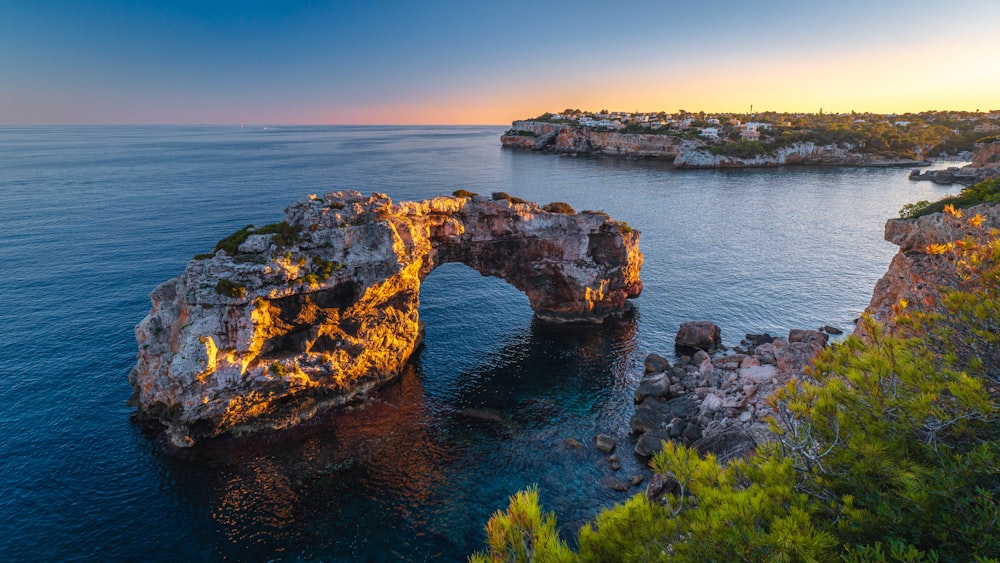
[485,62]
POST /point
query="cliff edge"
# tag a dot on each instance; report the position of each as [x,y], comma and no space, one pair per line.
[284,320]
[916,275]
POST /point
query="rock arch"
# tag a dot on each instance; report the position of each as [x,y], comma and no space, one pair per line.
[282,321]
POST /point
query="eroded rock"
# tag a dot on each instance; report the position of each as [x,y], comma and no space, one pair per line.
[318,310]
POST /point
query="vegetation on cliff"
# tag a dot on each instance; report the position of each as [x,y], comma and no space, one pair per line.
[983,192]
[747,135]
[886,451]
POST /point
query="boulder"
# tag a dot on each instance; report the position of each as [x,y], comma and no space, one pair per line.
[655,363]
[614,483]
[759,374]
[653,414]
[650,443]
[605,443]
[655,385]
[726,445]
[807,336]
[702,335]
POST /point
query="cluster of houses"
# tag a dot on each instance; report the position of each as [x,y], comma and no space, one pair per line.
[713,127]
[619,120]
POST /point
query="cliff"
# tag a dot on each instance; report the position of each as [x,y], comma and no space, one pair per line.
[283,321]
[914,274]
[685,153]
[563,139]
[694,155]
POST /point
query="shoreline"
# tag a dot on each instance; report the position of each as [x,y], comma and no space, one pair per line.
[684,153]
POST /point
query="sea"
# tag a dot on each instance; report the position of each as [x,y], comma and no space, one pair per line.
[92,218]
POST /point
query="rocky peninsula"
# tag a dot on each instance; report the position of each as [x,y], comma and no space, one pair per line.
[282,321]
[685,152]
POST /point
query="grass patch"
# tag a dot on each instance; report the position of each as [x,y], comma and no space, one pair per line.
[231,244]
[204,256]
[336,205]
[983,192]
[624,227]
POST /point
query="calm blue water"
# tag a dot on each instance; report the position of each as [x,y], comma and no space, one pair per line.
[92,218]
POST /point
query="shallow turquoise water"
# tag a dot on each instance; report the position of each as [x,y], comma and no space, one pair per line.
[92,218]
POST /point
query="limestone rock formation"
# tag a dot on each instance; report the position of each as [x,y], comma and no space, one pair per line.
[914,275]
[986,155]
[685,153]
[564,139]
[317,310]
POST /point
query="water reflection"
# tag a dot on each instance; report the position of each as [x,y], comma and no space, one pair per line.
[413,469]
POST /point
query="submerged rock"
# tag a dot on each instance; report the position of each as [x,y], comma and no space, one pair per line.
[283,321]
[605,443]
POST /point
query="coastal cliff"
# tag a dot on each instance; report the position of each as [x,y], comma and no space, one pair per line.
[316,311]
[915,275]
[562,139]
[694,154]
[684,152]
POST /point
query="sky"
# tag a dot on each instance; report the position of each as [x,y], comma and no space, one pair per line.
[485,61]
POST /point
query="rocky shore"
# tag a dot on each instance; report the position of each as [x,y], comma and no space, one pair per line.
[712,398]
[685,153]
[985,166]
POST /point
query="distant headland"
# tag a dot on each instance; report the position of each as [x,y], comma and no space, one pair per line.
[729,140]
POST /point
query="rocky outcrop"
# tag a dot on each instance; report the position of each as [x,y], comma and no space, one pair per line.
[685,153]
[695,155]
[718,404]
[915,275]
[282,321]
[986,155]
[985,166]
[565,139]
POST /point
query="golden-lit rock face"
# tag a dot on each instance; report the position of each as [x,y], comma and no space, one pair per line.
[319,312]
[916,275]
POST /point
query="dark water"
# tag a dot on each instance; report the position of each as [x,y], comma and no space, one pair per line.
[92,218]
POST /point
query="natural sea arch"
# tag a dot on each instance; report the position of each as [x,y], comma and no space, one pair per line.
[281,322]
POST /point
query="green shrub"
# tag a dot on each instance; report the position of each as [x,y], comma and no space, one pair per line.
[277,368]
[559,207]
[284,234]
[464,193]
[742,149]
[336,205]
[987,140]
[232,242]
[497,196]
[231,289]
[983,192]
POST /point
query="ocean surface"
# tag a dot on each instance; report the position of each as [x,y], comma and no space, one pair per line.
[93,218]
